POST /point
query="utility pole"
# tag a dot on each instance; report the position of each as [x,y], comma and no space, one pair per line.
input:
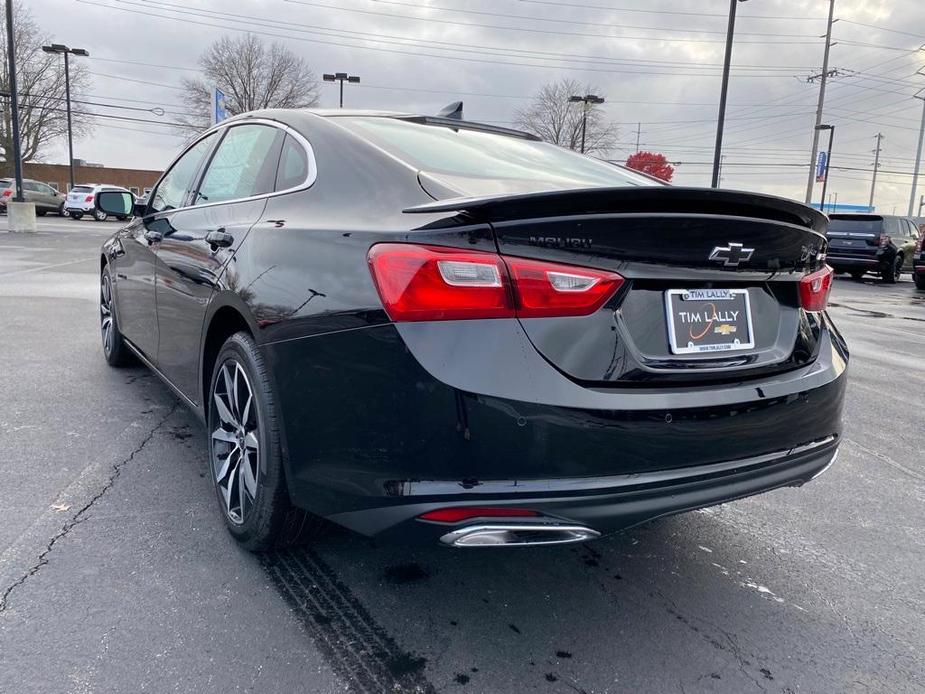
[828,163]
[14,104]
[341,77]
[638,134]
[918,153]
[721,118]
[873,182]
[586,100]
[819,106]
[62,49]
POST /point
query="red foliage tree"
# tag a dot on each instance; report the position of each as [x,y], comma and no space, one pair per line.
[651,163]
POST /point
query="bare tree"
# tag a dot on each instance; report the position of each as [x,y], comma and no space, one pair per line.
[252,75]
[551,117]
[40,83]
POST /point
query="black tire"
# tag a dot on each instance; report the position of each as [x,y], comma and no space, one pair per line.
[61,212]
[40,213]
[857,275]
[919,280]
[115,351]
[266,519]
[100,216]
[76,215]
[891,275]
[121,217]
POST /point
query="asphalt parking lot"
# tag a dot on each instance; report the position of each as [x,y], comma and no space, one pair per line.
[117,575]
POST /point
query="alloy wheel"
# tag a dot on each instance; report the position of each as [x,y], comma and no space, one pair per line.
[106,325]
[235,441]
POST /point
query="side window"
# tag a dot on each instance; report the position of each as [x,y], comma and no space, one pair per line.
[179,181]
[53,185]
[913,230]
[30,186]
[293,165]
[243,165]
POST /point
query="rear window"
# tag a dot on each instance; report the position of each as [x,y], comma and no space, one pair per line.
[476,161]
[864,225]
[5,184]
[81,189]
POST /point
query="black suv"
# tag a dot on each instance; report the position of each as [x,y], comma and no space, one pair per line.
[918,260]
[861,243]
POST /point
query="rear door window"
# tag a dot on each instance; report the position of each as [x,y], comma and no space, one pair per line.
[857,225]
[244,165]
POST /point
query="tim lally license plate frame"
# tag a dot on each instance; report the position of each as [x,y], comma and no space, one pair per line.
[712,311]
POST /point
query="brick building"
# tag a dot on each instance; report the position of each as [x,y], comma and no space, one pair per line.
[139,181]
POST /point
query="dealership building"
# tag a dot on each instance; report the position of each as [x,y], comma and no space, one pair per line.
[139,181]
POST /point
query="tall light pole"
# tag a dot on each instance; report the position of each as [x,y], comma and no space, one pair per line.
[821,102]
[918,153]
[828,163]
[64,50]
[587,99]
[341,77]
[873,181]
[721,118]
[14,103]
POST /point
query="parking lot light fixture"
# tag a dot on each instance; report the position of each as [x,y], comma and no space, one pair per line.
[341,77]
[586,99]
[66,51]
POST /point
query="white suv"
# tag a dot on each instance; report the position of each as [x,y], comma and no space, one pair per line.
[80,201]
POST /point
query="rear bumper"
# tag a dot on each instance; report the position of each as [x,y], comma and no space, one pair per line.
[600,504]
[376,432]
[880,261]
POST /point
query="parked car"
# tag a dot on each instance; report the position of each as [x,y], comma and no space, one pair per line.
[427,329]
[80,201]
[918,260]
[862,243]
[46,198]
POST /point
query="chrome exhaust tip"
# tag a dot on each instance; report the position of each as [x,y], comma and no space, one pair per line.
[492,535]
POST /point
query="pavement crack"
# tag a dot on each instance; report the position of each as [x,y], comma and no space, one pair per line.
[81,515]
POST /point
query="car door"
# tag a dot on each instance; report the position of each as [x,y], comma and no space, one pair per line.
[228,201]
[31,194]
[136,248]
[908,246]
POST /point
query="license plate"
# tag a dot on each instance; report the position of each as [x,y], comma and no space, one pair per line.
[708,320]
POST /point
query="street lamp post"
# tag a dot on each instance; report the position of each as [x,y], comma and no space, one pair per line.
[918,154]
[586,100]
[721,118]
[341,77]
[14,104]
[64,50]
[828,163]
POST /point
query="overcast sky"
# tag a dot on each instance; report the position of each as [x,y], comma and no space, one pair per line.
[656,62]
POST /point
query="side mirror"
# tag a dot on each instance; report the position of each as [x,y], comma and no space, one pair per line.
[115,202]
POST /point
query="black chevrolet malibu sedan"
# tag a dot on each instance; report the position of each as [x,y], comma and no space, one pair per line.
[428,329]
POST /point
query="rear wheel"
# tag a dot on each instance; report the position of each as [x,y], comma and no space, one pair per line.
[245,455]
[892,274]
[100,216]
[61,212]
[40,213]
[114,348]
[76,215]
[857,275]
[919,280]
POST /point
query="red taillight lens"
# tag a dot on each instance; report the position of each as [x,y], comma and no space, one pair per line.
[425,283]
[461,513]
[89,198]
[918,244]
[815,288]
[418,283]
[8,193]
[884,240]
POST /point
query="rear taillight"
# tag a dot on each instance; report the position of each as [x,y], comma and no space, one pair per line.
[89,198]
[427,283]
[918,244]
[8,192]
[884,240]
[815,288]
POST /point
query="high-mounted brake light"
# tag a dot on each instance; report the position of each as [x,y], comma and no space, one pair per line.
[460,513]
[815,288]
[426,283]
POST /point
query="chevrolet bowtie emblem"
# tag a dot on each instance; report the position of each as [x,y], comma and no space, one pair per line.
[731,255]
[724,329]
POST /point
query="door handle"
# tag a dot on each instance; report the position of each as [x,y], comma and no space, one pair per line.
[219,239]
[154,236]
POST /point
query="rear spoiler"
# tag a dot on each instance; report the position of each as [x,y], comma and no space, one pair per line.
[631,200]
